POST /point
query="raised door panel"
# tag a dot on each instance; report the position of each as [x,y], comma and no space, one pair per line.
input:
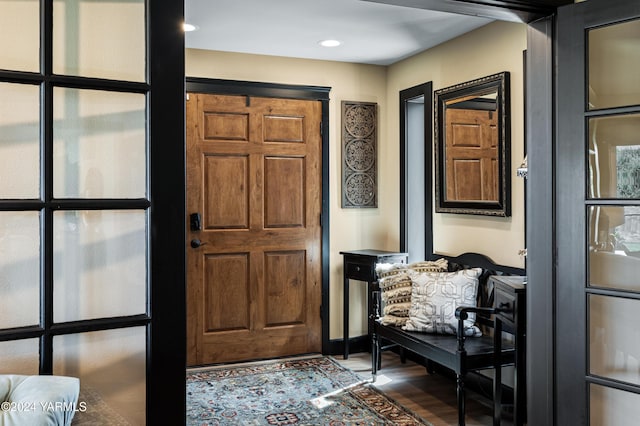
[465,174]
[226,189]
[284,194]
[226,126]
[226,302]
[465,135]
[285,287]
[280,128]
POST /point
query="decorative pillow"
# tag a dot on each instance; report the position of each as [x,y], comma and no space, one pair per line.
[396,287]
[435,297]
[439,265]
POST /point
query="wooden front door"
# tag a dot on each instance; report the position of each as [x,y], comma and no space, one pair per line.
[472,155]
[254,236]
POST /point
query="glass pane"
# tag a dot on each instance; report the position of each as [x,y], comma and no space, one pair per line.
[99,144]
[612,407]
[19,140]
[614,157]
[614,61]
[99,38]
[614,258]
[19,357]
[614,338]
[19,269]
[111,366]
[99,264]
[20,35]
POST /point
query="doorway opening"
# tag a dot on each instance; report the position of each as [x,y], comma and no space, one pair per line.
[416,171]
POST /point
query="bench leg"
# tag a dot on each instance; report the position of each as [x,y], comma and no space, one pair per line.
[497,372]
[460,393]
[430,368]
[497,396]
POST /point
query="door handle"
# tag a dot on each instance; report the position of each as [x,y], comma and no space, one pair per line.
[195,243]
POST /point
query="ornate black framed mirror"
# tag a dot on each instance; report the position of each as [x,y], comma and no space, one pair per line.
[472,147]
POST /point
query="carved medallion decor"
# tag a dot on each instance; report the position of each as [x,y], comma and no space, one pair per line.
[359,155]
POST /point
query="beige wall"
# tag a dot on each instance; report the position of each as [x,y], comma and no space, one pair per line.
[488,50]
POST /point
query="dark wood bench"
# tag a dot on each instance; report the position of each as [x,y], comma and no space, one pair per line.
[456,352]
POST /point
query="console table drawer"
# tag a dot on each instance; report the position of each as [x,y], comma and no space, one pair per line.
[360,271]
[509,294]
[506,301]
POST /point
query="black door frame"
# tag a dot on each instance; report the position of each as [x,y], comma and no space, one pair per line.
[271,90]
[540,229]
[406,95]
[572,290]
[167,357]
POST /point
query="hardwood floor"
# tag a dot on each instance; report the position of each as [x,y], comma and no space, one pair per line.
[432,396]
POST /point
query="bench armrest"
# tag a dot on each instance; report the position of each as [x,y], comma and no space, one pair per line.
[462,313]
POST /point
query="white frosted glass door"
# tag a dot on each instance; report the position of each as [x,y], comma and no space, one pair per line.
[614,61]
[111,365]
[19,269]
[99,146]
[20,35]
[103,39]
[100,264]
[79,240]
[612,407]
[19,356]
[614,339]
[19,140]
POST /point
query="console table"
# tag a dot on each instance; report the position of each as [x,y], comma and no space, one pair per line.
[361,265]
[510,298]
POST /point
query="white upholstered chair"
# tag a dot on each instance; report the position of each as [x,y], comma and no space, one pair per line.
[37,400]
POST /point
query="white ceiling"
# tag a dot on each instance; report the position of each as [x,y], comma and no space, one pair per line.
[371,33]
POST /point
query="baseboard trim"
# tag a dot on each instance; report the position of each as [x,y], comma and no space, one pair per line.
[356,345]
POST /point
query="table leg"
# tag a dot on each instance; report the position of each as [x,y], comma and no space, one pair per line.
[345,315]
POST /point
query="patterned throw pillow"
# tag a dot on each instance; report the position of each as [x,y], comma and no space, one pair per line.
[396,287]
[435,297]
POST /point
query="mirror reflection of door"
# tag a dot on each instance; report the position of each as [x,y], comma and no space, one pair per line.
[471,152]
[472,147]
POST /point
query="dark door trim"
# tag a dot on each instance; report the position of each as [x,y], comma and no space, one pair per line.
[271,90]
[502,10]
[166,359]
[426,90]
[540,232]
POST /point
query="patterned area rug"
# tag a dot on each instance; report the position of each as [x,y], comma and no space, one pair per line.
[307,391]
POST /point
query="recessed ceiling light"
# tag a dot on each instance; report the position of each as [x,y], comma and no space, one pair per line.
[189,27]
[330,43]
